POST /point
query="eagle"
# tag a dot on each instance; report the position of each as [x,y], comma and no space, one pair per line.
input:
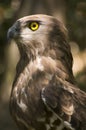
[44,94]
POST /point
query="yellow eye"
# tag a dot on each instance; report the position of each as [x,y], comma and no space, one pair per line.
[34,26]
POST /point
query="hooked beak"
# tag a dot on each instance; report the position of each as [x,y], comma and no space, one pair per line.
[13,31]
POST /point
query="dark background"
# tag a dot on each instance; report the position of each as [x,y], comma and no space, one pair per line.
[71,12]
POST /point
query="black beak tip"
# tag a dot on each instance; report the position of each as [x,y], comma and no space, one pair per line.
[13,31]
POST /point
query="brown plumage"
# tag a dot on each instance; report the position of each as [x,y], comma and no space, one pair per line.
[44,95]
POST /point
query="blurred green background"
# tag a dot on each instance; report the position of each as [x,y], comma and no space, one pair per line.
[71,12]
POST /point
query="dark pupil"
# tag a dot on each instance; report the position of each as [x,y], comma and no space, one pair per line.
[34,25]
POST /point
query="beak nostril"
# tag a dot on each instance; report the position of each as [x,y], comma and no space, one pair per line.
[16,29]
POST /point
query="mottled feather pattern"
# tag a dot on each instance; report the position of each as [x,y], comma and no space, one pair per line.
[44,95]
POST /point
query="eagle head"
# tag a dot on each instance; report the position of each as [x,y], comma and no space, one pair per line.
[42,35]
